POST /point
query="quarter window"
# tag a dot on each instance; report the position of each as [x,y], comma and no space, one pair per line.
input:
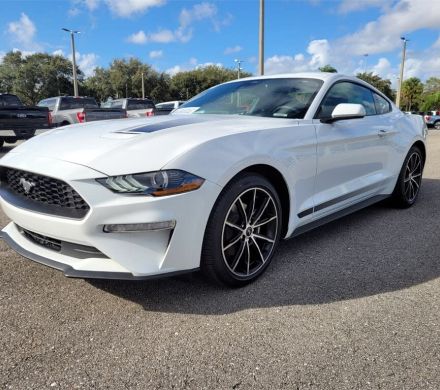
[346,92]
[382,105]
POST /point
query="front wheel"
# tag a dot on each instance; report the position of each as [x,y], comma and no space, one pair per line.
[410,179]
[437,125]
[243,231]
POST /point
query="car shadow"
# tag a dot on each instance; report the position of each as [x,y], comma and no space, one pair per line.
[374,251]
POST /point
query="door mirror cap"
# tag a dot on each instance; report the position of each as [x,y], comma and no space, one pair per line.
[346,111]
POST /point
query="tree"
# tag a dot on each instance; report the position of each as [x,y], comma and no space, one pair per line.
[36,76]
[430,102]
[189,83]
[383,85]
[412,90]
[328,68]
[432,85]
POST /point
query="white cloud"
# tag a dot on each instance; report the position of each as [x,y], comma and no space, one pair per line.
[2,55]
[24,53]
[175,69]
[232,50]
[87,63]
[384,34]
[191,64]
[347,6]
[23,31]
[285,64]
[299,57]
[156,54]
[161,36]
[184,32]
[91,4]
[58,52]
[319,50]
[127,8]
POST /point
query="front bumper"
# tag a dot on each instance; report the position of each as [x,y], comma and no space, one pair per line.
[135,255]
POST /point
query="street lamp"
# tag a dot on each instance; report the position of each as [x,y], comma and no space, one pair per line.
[402,66]
[366,57]
[239,68]
[72,38]
[261,40]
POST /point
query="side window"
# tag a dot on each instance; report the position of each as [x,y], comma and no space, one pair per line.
[382,105]
[116,104]
[346,92]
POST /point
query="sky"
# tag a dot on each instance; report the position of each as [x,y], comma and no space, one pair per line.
[176,35]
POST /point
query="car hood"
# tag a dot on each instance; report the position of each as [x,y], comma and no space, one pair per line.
[123,146]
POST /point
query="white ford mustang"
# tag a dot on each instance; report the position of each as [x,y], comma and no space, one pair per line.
[215,185]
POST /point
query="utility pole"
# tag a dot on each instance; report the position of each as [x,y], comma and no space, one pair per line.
[402,67]
[239,68]
[261,40]
[143,86]
[75,79]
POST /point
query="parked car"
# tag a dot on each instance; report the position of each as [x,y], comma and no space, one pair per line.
[67,110]
[250,162]
[432,119]
[19,122]
[135,107]
[167,107]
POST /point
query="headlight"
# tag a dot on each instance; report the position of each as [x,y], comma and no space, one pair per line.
[158,183]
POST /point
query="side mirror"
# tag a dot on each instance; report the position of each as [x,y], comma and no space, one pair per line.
[346,111]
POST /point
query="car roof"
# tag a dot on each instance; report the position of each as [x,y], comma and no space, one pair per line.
[303,75]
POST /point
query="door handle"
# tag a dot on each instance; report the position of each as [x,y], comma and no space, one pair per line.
[382,133]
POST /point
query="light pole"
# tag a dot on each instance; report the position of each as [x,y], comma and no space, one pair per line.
[366,57]
[143,86]
[402,67]
[75,79]
[261,40]
[239,68]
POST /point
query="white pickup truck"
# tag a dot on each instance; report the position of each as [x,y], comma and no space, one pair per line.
[67,110]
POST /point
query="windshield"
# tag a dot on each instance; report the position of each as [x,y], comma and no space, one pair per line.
[10,101]
[71,103]
[276,98]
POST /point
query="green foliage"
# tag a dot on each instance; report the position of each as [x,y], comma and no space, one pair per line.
[412,90]
[430,102]
[328,68]
[383,85]
[187,84]
[36,76]
[432,85]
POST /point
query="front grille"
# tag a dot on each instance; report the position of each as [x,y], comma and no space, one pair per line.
[52,195]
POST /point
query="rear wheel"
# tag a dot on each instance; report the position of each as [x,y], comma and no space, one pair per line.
[410,179]
[243,231]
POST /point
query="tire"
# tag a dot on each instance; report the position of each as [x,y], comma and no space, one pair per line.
[408,184]
[437,125]
[243,231]
[10,140]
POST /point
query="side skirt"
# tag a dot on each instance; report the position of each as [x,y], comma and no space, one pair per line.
[337,215]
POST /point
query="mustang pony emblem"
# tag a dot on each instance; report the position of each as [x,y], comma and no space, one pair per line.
[27,185]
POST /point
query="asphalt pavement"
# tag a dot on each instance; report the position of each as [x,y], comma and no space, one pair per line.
[352,305]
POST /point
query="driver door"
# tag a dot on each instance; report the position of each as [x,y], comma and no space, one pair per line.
[351,154]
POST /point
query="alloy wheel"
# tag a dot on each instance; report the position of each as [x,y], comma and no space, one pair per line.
[249,232]
[413,177]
